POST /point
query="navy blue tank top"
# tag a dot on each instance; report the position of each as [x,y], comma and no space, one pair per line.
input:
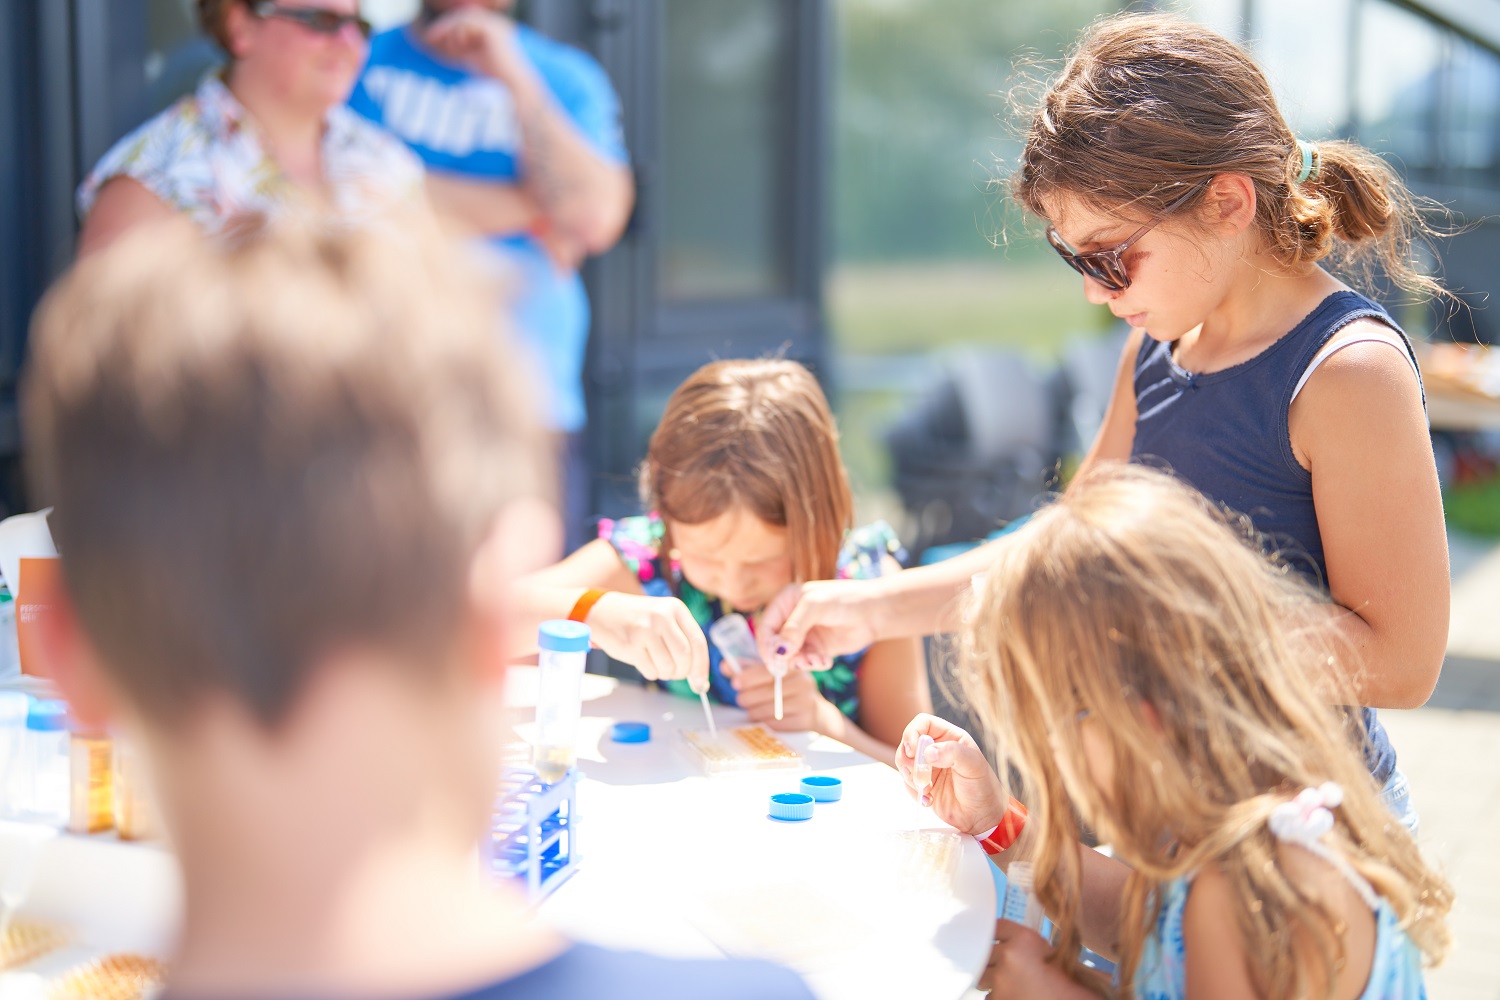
[1226,434]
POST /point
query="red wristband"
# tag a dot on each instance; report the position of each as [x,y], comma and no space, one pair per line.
[1009,830]
[585,604]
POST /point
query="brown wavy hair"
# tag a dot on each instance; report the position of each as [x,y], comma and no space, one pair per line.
[213,20]
[1148,105]
[758,435]
[1133,589]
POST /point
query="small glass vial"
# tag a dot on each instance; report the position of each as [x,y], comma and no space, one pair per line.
[563,649]
[135,812]
[92,768]
[10,650]
[47,761]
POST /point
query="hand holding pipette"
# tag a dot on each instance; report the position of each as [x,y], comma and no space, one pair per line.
[953,777]
[736,642]
[656,635]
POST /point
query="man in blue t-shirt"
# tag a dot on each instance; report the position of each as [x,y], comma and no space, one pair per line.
[483,99]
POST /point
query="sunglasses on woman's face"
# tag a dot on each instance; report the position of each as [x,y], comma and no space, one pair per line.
[1108,266]
[324,22]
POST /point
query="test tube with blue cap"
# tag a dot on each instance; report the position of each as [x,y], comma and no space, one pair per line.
[563,648]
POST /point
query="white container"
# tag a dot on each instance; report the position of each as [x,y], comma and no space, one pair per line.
[47,762]
[13,708]
[10,650]
[563,650]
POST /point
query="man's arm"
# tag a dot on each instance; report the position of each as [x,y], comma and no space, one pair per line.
[482,208]
[583,196]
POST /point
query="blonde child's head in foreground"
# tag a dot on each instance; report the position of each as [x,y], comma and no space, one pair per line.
[744,470]
[1140,661]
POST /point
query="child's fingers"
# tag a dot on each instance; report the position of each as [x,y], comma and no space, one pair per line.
[757,676]
[943,754]
[756,697]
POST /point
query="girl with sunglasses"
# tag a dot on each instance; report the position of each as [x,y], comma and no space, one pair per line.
[266,132]
[1170,181]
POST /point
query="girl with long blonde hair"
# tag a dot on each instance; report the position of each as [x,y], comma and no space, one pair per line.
[1155,679]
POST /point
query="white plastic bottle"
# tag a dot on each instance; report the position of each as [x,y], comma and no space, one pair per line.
[563,649]
[47,761]
[14,706]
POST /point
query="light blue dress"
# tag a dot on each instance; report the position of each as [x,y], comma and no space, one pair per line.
[1395,975]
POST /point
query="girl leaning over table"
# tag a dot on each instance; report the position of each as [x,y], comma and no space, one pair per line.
[745,493]
[1157,680]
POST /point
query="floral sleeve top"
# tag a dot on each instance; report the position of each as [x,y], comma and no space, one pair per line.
[639,542]
[204,156]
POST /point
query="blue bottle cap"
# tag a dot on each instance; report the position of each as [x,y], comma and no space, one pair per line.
[823,788]
[791,806]
[48,715]
[630,732]
[562,636]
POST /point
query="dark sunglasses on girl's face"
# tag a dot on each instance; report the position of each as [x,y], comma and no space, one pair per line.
[324,22]
[1108,266]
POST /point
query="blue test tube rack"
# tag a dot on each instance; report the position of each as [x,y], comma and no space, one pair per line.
[533,840]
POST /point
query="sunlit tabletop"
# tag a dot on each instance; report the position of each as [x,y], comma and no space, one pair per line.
[873,897]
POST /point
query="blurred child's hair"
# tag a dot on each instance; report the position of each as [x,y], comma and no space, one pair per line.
[264,450]
[757,435]
[1150,104]
[1133,591]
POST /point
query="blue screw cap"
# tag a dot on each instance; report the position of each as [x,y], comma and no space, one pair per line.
[823,788]
[792,806]
[562,636]
[630,732]
[47,715]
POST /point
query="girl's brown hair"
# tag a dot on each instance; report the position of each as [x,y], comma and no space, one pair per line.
[1130,591]
[1149,104]
[757,435]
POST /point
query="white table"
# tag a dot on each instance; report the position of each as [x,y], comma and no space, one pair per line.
[673,862]
[873,897]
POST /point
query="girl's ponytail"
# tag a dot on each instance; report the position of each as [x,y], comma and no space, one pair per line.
[1354,209]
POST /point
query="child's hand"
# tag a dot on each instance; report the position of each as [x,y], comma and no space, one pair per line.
[1018,967]
[803,707]
[965,793]
[656,635]
[817,621]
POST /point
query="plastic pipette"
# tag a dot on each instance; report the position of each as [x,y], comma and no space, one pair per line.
[709,715]
[921,768]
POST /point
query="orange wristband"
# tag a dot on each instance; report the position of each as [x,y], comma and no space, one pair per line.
[1009,830]
[585,604]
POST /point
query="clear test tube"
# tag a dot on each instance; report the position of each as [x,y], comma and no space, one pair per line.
[1021,904]
[921,768]
[563,649]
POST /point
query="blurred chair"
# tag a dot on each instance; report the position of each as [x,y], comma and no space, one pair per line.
[979,449]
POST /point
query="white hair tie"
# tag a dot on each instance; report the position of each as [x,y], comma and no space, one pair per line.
[1304,821]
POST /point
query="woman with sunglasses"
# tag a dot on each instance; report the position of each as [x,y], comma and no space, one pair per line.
[1171,182]
[268,131]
